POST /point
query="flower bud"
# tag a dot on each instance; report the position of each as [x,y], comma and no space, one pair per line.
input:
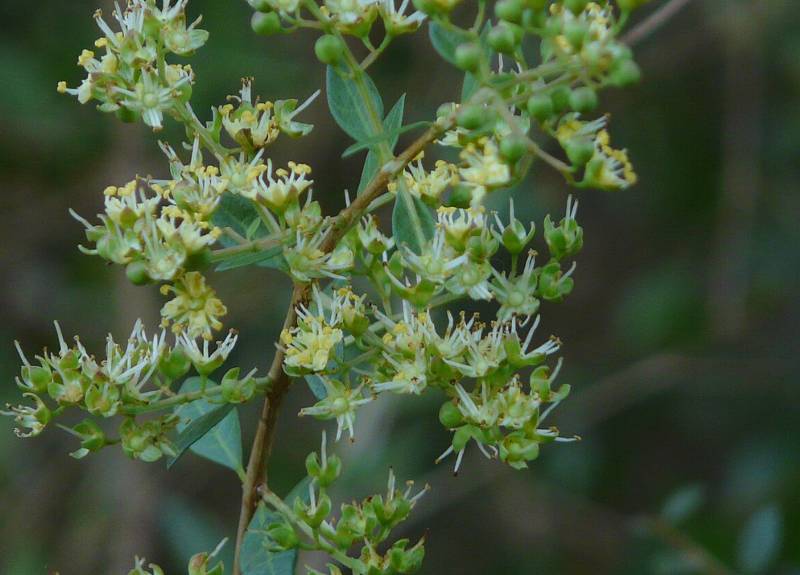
[624,73]
[553,285]
[583,99]
[198,565]
[175,364]
[471,117]
[266,24]
[579,150]
[515,238]
[404,560]
[564,240]
[450,416]
[235,390]
[35,378]
[575,32]
[260,5]
[512,148]
[284,535]
[575,6]
[560,98]
[468,56]
[509,10]
[540,107]
[137,273]
[502,39]
[329,49]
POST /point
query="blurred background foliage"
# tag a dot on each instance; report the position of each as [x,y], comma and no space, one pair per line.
[681,336]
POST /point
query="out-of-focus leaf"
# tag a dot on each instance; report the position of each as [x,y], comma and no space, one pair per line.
[683,503]
[234,212]
[445,40]
[760,540]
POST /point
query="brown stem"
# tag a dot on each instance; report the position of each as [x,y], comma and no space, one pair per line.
[256,474]
[653,22]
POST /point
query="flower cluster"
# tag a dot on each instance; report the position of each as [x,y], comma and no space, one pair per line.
[131,78]
[134,377]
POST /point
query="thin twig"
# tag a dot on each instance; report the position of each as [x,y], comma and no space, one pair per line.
[653,22]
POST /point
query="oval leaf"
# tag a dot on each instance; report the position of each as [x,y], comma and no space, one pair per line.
[393,121]
[257,559]
[760,540]
[347,105]
[445,40]
[214,431]
[412,221]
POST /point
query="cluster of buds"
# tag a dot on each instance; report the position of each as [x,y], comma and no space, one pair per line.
[349,17]
[133,377]
[132,78]
[311,523]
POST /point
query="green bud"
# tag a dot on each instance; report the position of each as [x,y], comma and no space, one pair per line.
[460,197]
[284,535]
[502,39]
[515,238]
[540,107]
[331,471]
[313,468]
[575,31]
[322,511]
[575,6]
[560,97]
[583,99]
[450,416]
[92,437]
[512,148]
[260,5]
[36,378]
[404,560]
[266,24]
[137,273]
[564,240]
[579,150]
[468,56]
[329,49]
[624,73]
[174,365]
[553,284]
[127,115]
[462,436]
[471,117]
[509,10]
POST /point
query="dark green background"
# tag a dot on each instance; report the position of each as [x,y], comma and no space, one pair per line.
[681,338]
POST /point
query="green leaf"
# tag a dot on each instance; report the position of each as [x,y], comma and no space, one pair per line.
[234,212]
[391,124]
[256,557]
[387,135]
[316,386]
[412,221]
[446,40]
[214,431]
[269,258]
[760,540]
[348,107]
[683,503]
